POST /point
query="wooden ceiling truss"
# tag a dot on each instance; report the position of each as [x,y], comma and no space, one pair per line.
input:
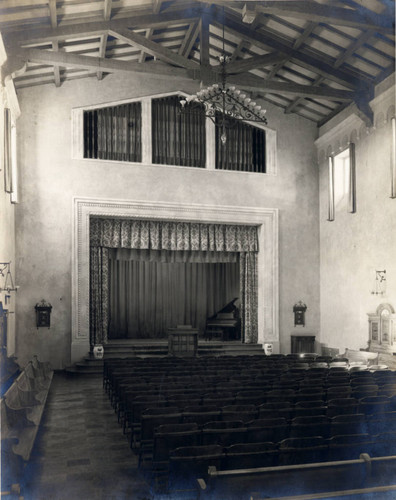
[309,57]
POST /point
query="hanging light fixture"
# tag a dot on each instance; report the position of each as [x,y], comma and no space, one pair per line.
[231,103]
[379,287]
[8,284]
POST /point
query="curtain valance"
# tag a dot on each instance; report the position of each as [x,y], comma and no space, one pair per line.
[165,235]
[167,256]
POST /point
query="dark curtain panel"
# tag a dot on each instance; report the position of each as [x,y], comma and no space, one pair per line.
[245,147]
[147,298]
[114,133]
[177,138]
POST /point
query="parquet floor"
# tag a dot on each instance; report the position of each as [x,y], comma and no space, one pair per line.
[80,452]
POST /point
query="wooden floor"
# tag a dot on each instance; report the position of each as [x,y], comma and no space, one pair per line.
[80,452]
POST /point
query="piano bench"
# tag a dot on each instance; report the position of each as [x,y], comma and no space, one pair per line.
[213,332]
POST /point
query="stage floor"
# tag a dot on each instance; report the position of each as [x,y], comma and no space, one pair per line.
[161,342]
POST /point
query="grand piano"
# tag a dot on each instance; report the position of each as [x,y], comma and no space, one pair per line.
[225,324]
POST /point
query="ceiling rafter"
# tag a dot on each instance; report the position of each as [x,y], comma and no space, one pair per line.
[341,59]
[307,59]
[326,14]
[255,62]
[152,48]
[318,12]
[190,38]
[53,13]
[96,28]
[108,5]
[55,47]
[102,52]
[161,70]
[143,54]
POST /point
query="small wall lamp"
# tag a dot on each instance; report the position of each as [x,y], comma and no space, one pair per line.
[379,287]
[5,272]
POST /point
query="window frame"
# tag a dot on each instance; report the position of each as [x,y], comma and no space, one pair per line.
[77,123]
[335,159]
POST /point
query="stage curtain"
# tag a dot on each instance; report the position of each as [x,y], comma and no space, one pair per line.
[99,295]
[172,256]
[178,138]
[159,235]
[249,300]
[148,297]
[106,234]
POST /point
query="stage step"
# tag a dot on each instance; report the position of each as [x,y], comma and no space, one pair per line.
[129,349]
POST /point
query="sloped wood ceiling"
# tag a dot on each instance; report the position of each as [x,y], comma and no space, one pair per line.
[309,57]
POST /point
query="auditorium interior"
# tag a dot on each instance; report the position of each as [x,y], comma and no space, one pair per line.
[197,246]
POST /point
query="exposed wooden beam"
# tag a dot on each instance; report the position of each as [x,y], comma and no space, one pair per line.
[96,28]
[102,52]
[340,60]
[248,13]
[143,54]
[157,6]
[243,44]
[307,32]
[161,70]
[55,48]
[254,83]
[190,38]
[250,63]
[269,40]
[152,48]
[53,14]
[364,112]
[297,44]
[107,9]
[154,68]
[327,14]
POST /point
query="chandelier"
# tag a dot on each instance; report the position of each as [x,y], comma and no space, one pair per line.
[229,102]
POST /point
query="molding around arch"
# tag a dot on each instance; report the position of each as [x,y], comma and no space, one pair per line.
[268,280]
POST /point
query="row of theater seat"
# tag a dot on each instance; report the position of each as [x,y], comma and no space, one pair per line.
[182,465]
[270,401]
[228,432]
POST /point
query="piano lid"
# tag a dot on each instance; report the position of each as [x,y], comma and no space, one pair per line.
[228,308]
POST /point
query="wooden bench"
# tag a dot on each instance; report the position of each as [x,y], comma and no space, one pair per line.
[312,480]
[364,357]
[22,407]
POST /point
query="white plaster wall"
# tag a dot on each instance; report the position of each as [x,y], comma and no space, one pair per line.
[7,241]
[50,178]
[354,245]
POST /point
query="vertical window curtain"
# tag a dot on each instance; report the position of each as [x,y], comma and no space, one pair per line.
[148,297]
[245,149]
[114,133]
[177,138]
[7,152]
[171,236]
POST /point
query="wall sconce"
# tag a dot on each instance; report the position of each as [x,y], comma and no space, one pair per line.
[5,272]
[43,314]
[379,287]
[299,313]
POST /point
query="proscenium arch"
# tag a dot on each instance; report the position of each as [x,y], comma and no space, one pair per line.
[268,281]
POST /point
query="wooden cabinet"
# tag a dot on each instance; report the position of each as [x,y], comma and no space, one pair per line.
[302,343]
[382,330]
